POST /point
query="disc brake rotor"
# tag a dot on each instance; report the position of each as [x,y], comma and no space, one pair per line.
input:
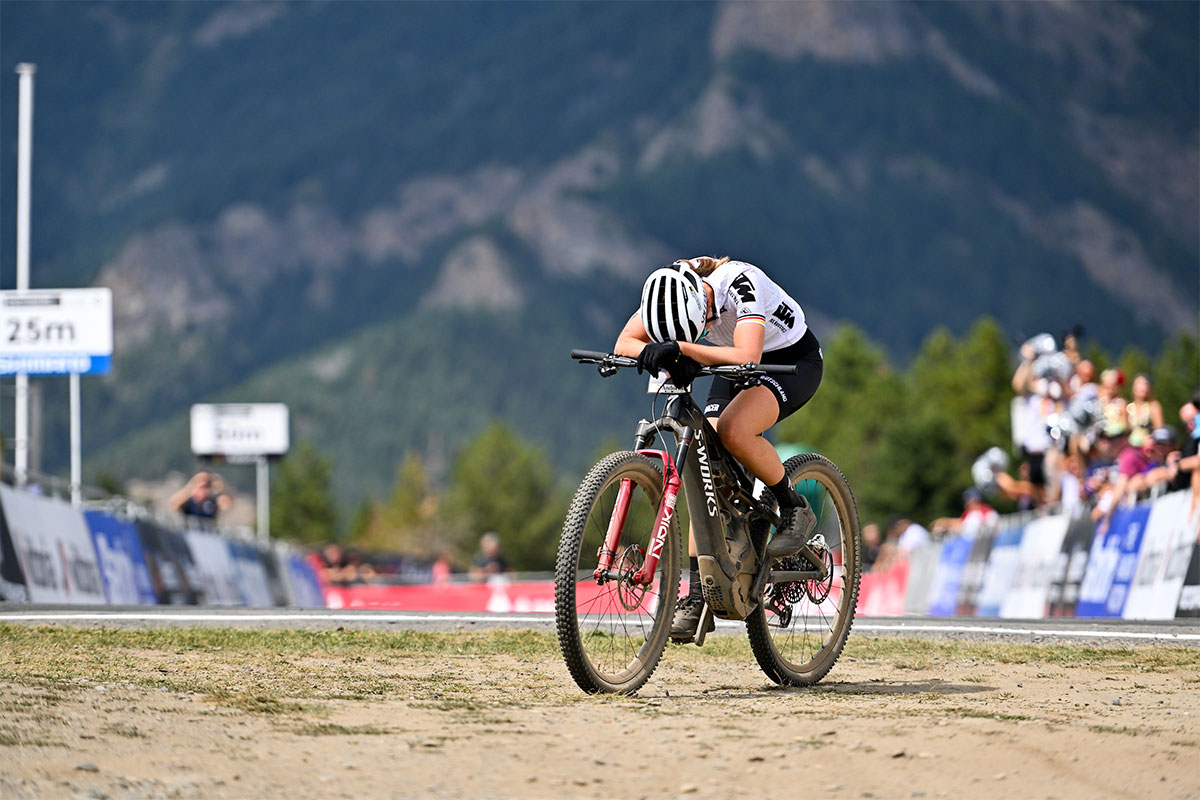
[630,593]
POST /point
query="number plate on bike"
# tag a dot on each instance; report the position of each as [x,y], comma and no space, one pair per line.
[661,384]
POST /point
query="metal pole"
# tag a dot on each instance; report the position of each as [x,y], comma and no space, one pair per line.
[24,162]
[264,499]
[76,470]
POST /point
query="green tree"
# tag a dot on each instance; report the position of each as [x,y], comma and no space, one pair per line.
[859,396]
[1176,375]
[302,504]
[500,484]
[407,523]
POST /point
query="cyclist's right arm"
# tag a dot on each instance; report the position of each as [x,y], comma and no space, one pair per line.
[633,338]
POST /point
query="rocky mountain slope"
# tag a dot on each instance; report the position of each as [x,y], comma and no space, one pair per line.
[291,199]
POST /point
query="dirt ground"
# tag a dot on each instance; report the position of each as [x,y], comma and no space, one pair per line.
[888,722]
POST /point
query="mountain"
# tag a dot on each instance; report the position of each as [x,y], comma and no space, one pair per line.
[399,217]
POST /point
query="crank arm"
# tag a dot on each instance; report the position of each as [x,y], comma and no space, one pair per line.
[705,617]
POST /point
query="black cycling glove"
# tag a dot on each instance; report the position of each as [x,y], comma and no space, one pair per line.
[657,357]
[665,357]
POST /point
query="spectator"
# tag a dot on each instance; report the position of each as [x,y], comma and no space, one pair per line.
[1071,490]
[1042,383]
[489,561]
[976,514]
[203,497]
[1022,490]
[335,566]
[1144,412]
[440,571]
[1182,466]
[872,539]
[907,535]
[1112,405]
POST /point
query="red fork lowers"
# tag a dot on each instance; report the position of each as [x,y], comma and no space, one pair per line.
[608,551]
[662,524]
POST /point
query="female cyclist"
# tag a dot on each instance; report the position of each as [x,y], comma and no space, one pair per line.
[744,316]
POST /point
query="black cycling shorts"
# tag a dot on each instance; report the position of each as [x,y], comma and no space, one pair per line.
[791,391]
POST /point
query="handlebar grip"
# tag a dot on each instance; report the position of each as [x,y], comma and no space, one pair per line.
[779,369]
[588,354]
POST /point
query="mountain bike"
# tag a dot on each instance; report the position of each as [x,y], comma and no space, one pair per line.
[617,572]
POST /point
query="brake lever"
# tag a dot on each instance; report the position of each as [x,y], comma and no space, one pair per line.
[606,369]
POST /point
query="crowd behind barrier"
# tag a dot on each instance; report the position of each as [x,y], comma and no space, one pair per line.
[1140,562]
[54,552]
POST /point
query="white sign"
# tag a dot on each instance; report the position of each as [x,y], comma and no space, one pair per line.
[56,331]
[240,429]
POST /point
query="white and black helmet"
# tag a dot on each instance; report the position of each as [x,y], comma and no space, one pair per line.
[674,305]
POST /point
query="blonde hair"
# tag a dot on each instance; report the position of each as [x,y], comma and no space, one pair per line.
[704,265]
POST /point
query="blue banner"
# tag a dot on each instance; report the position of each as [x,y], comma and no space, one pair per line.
[1112,563]
[122,565]
[943,595]
[55,364]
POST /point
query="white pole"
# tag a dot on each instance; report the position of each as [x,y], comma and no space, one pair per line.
[264,499]
[24,162]
[76,470]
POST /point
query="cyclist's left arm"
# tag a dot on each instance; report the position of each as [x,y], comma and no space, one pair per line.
[748,339]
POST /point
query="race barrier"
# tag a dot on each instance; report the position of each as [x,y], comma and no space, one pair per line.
[1142,562]
[53,552]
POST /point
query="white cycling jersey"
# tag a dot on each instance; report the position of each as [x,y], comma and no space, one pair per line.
[744,295]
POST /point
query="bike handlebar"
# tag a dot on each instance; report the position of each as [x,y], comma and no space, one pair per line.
[729,370]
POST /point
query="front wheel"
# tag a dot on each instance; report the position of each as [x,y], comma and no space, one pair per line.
[800,627]
[612,629]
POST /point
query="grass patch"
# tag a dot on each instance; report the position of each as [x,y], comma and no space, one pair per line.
[1122,729]
[333,729]
[979,713]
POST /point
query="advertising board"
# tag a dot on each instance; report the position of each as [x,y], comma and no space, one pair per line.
[1112,563]
[54,547]
[122,565]
[1001,567]
[1166,551]
[1037,556]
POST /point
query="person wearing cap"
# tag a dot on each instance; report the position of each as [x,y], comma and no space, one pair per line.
[976,514]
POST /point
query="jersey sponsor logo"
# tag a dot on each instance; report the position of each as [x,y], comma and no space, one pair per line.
[785,316]
[744,288]
[711,408]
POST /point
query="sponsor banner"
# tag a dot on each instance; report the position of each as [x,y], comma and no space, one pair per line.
[922,563]
[1166,550]
[54,547]
[170,563]
[973,572]
[947,577]
[1070,567]
[12,577]
[1001,568]
[250,574]
[122,565]
[1112,563]
[496,595]
[881,593]
[213,569]
[1037,556]
[303,586]
[1189,596]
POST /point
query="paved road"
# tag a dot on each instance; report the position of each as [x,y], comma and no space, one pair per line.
[1059,630]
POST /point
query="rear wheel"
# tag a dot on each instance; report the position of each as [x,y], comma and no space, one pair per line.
[612,629]
[800,627]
